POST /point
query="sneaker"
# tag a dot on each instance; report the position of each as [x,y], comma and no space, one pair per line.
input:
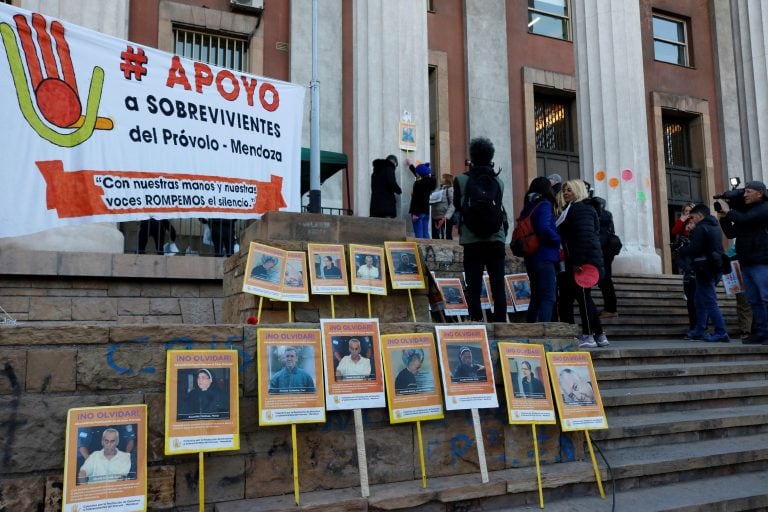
[753,339]
[608,314]
[602,340]
[692,336]
[718,338]
[586,341]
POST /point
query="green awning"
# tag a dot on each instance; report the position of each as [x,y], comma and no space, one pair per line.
[330,164]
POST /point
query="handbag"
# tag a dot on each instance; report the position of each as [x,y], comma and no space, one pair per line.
[438,196]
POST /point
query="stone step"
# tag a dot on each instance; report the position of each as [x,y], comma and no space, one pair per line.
[640,400]
[655,351]
[731,493]
[611,377]
[410,494]
[676,426]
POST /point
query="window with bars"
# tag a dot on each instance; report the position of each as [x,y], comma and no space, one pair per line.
[670,40]
[223,50]
[676,143]
[549,18]
[552,121]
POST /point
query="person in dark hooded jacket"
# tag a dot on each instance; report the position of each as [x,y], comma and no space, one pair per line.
[542,265]
[579,230]
[705,251]
[384,187]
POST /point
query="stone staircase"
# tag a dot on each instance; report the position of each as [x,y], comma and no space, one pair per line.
[688,428]
[654,307]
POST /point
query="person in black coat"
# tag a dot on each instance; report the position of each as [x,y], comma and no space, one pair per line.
[705,252]
[579,230]
[384,187]
[607,228]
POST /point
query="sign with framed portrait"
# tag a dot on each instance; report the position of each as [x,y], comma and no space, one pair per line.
[264,271]
[367,269]
[328,269]
[453,296]
[295,284]
[290,376]
[105,460]
[404,263]
[579,404]
[519,288]
[467,370]
[526,384]
[411,371]
[201,401]
[352,364]
[407,136]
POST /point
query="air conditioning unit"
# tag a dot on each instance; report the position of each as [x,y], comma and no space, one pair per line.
[256,6]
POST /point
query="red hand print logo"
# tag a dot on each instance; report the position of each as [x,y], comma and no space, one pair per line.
[56,96]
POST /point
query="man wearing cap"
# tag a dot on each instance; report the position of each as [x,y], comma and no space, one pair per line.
[749,229]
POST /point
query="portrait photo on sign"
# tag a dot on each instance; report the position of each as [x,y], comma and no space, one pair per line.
[404,265]
[526,383]
[519,288]
[265,269]
[292,370]
[469,364]
[413,369]
[353,358]
[203,394]
[526,375]
[107,453]
[367,269]
[575,386]
[328,268]
[295,284]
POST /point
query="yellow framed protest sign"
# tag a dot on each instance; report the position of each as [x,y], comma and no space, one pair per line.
[264,271]
[467,370]
[367,274]
[526,384]
[290,376]
[579,404]
[454,301]
[295,283]
[411,371]
[328,269]
[201,401]
[105,460]
[404,263]
[519,288]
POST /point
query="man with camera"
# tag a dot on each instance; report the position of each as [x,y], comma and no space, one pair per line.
[705,251]
[749,225]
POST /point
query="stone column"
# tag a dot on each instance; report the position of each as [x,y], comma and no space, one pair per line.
[390,57]
[751,44]
[109,18]
[613,126]
[488,84]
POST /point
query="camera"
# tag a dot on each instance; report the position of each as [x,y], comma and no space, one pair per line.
[734,198]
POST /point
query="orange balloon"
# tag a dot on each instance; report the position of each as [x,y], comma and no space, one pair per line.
[613,182]
[600,175]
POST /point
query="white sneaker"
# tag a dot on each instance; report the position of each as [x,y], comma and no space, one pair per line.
[586,341]
[602,340]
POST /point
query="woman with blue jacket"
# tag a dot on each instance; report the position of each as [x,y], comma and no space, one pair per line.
[542,265]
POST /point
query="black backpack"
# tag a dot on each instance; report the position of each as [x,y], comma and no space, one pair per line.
[481,209]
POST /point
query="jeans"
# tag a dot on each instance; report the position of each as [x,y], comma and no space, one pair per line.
[489,256]
[756,288]
[421,226]
[569,290]
[543,277]
[707,309]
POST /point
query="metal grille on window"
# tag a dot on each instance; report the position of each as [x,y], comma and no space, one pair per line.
[676,144]
[551,122]
[217,49]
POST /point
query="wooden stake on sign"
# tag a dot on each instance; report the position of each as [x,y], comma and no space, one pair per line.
[594,465]
[295,464]
[421,455]
[538,466]
[480,446]
[201,481]
[370,315]
[258,314]
[290,315]
[413,311]
[333,308]
[362,461]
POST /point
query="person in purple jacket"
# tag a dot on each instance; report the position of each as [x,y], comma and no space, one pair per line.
[542,266]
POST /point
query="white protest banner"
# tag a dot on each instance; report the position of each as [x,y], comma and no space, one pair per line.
[100,129]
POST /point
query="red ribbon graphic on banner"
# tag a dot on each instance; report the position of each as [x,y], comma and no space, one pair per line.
[86,193]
